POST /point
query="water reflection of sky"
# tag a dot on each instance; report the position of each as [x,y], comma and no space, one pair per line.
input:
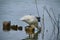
[12,10]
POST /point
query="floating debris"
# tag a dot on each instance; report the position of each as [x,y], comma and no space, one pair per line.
[6,25]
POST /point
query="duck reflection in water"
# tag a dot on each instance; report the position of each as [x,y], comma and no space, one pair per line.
[28,29]
[7,26]
[31,32]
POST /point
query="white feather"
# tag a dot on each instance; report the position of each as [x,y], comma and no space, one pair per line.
[31,20]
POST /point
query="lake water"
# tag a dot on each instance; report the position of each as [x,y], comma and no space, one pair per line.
[13,10]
